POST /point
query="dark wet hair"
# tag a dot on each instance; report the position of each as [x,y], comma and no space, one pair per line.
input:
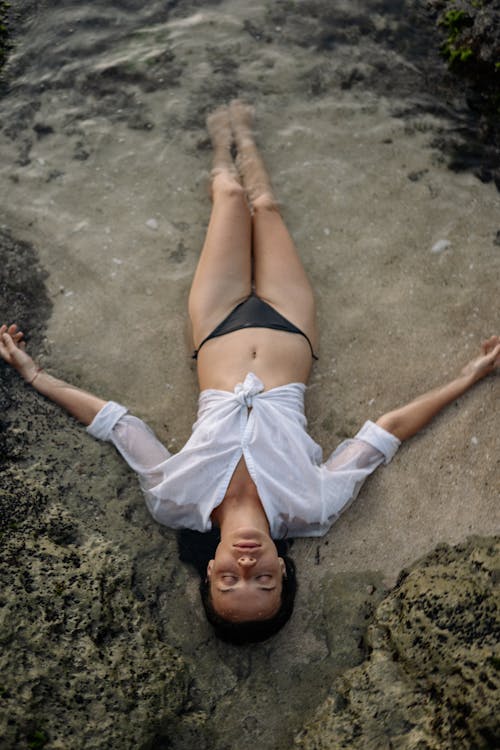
[197,549]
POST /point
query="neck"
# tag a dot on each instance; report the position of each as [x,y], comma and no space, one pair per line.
[241,512]
[241,506]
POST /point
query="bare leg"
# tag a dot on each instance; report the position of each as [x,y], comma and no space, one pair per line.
[223,276]
[279,275]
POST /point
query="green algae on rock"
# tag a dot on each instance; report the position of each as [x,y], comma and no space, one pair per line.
[472,44]
[432,677]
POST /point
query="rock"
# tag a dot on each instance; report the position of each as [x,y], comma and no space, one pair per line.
[4,33]
[471,44]
[431,680]
[440,245]
[80,657]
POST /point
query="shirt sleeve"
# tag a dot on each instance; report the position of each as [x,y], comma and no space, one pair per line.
[136,442]
[351,463]
[371,443]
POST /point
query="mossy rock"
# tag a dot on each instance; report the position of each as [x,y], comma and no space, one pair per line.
[432,678]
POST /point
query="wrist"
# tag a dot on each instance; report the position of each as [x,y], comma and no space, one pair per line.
[31,379]
[468,378]
[29,371]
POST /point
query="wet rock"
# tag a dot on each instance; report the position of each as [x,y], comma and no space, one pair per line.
[42,129]
[80,153]
[179,254]
[80,657]
[471,42]
[432,677]
[4,33]
[417,175]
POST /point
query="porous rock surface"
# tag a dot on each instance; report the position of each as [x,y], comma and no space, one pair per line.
[432,677]
[475,26]
[79,655]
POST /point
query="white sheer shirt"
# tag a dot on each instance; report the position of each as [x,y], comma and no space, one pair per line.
[301,495]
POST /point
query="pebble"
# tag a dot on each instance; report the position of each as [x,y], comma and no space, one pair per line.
[440,245]
[474,441]
[152,224]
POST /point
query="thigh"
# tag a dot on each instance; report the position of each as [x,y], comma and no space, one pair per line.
[223,276]
[280,278]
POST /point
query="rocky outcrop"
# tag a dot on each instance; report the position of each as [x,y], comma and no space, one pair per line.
[81,660]
[472,31]
[432,678]
[4,34]
[80,657]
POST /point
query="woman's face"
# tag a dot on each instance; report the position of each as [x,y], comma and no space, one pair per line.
[246,577]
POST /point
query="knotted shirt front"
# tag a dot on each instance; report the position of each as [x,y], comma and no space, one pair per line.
[301,495]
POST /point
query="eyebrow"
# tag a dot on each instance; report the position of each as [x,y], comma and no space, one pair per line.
[260,588]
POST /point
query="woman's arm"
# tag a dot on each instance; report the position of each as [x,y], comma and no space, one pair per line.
[82,405]
[408,420]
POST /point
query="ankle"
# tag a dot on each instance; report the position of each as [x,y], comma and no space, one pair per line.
[263,200]
[225,183]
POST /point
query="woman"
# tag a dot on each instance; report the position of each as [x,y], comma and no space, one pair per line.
[249,467]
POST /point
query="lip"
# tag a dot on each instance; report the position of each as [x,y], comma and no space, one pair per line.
[247,545]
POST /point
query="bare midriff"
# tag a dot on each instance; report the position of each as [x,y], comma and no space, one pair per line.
[276,357]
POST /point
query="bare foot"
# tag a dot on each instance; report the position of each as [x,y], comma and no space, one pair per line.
[249,162]
[242,119]
[219,127]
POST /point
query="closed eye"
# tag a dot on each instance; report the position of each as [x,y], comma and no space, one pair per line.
[229,579]
[259,588]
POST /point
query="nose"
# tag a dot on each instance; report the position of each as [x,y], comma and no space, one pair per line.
[246,561]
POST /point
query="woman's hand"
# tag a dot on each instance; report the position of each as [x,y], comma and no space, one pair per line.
[481,366]
[13,351]
[82,405]
[408,420]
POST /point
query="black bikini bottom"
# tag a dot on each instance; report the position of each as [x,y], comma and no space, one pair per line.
[253,313]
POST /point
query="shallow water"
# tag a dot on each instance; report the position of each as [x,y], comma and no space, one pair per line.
[104,162]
